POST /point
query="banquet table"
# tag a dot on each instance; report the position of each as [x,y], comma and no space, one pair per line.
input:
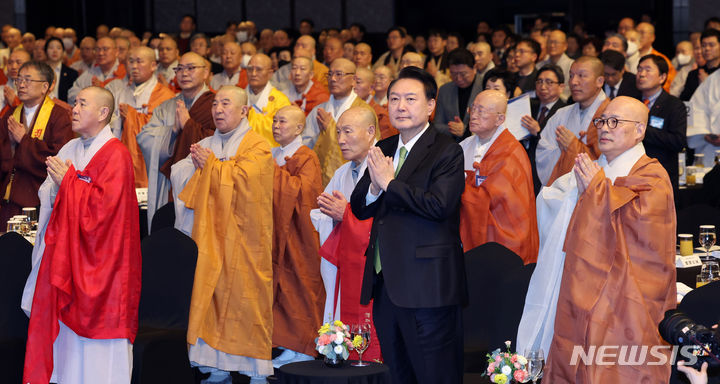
[316,372]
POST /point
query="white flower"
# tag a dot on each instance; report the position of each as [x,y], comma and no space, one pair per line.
[339,337]
[338,349]
[521,359]
[506,370]
[507,343]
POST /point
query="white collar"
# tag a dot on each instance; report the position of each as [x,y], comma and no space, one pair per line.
[139,89]
[260,100]
[481,148]
[621,165]
[409,145]
[280,153]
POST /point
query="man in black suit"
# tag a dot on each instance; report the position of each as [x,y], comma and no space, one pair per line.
[548,88]
[618,81]
[665,135]
[710,43]
[414,266]
[454,97]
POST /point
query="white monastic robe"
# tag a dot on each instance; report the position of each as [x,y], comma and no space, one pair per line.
[136,96]
[221,79]
[335,107]
[85,80]
[704,117]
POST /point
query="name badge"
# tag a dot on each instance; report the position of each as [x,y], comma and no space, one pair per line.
[84,178]
[657,122]
[223,159]
[479,179]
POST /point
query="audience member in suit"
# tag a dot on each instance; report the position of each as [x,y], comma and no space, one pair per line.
[665,135]
[64,75]
[710,42]
[414,266]
[527,53]
[618,81]
[548,88]
[453,99]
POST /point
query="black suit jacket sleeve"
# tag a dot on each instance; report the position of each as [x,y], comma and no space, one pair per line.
[672,135]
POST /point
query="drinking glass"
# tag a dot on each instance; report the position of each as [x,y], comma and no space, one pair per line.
[707,238]
[710,271]
[362,330]
[535,365]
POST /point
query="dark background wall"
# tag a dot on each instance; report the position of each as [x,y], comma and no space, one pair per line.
[680,16]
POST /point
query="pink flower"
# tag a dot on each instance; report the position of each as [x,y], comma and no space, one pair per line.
[498,359]
[507,355]
[520,375]
[491,368]
[513,358]
[325,339]
[516,365]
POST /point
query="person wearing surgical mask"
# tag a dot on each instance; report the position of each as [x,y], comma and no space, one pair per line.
[632,54]
[683,54]
[248,50]
[72,53]
[710,46]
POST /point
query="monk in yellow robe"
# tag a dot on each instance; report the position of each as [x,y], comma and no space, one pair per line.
[618,277]
[299,294]
[136,102]
[498,203]
[221,200]
[263,99]
[320,128]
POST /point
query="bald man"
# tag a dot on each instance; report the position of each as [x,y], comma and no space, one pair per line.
[305,46]
[232,74]
[263,99]
[8,97]
[174,126]
[107,68]
[82,331]
[13,39]
[556,47]
[343,237]
[28,41]
[332,50]
[570,130]
[646,38]
[383,77]
[498,203]
[167,61]
[305,92]
[123,48]
[616,278]
[411,59]
[320,129]
[87,55]
[482,52]
[364,81]
[362,56]
[135,102]
[222,191]
[298,294]
[33,130]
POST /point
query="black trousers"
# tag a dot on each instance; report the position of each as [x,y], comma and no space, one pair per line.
[419,345]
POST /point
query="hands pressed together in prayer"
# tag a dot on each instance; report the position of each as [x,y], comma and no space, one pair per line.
[57,169]
[123,109]
[199,155]
[324,119]
[16,130]
[531,125]
[585,169]
[456,126]
[181,116]
[333,205]
[9,95]
[381,170]
[96,82]
[565,137]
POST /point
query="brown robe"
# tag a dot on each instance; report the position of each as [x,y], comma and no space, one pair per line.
[567,158]
[27,162]
[298,290]
[618,278]
[199,126]
[386,129]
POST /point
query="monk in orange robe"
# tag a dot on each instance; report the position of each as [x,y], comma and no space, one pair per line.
[222,200]
[305,91]
[136,102]
[618,277]
[498,203]
[298,291]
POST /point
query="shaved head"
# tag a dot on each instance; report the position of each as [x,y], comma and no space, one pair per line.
[228,108]
[92,111]
[238,95]
[487,113]
[144,52]
[595,64]
[288,123]
[613,142]
[411,59]
[356,130]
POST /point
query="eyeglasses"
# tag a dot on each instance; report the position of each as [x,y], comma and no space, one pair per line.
[330,75]
[546,82]
[612,122]
[187,68]
[479,110]
[103,49]
[27,80]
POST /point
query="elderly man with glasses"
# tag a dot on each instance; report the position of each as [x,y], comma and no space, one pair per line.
[606,273]
[34,130]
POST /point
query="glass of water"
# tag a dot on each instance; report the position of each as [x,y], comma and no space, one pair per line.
[535,365]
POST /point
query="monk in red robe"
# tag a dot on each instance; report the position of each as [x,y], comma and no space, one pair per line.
[8,98]
[34,130]
[85,284]
[298,291]
[305,92]
[136,103]
[619,274]
[498,203]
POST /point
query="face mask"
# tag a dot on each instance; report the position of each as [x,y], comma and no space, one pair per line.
[241,36]
[683,59]
[632,48]
[157,54]
[67,42]
[245,61]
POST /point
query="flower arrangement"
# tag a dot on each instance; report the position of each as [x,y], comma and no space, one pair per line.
[334,342]
[504,367]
